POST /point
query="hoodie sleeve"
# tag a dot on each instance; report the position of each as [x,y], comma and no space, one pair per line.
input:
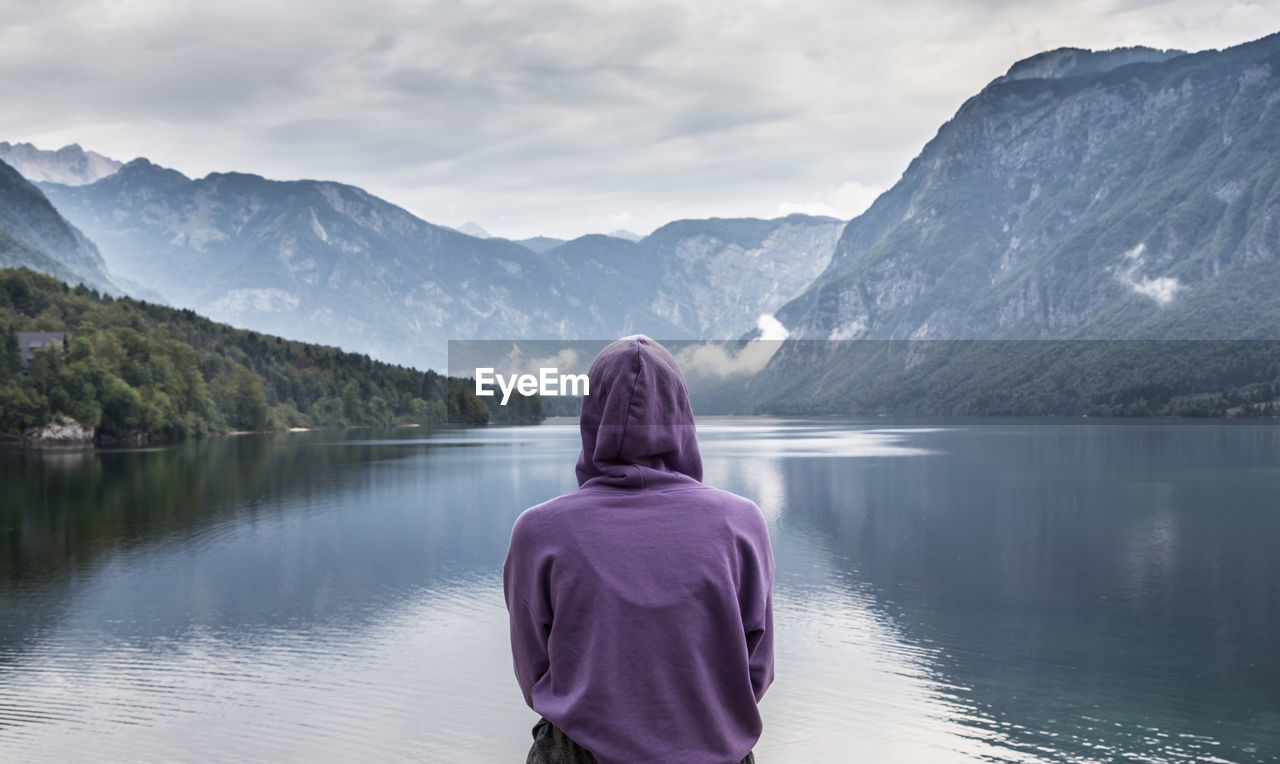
[528,644]
[760,653]
[530,626]
[756,600]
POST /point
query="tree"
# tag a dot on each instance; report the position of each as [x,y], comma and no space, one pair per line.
[464,406]
[246,404]
[10,354]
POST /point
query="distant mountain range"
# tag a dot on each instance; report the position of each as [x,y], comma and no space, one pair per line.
[326,262]
[70,164]
[1132,193]
[1127,193]
[540,243]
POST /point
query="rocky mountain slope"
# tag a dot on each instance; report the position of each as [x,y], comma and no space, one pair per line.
[33,235]
[70,164]
[326,262]
[315,261]
[699,279]
[1130,193]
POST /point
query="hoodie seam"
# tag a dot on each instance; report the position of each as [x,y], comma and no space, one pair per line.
[626,421]
[528,608]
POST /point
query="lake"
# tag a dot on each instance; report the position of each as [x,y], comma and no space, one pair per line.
[994,590]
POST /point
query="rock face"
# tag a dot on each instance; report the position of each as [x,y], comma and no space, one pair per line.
[62,431]
[70,164]
[33,235]
[697,279]
[1130,193]
[329,263]
[314,261]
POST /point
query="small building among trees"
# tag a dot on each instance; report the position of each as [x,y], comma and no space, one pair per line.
[30,342]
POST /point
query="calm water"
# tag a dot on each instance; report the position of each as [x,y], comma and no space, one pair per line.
[998,592]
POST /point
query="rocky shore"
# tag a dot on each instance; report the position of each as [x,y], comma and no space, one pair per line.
[62,431]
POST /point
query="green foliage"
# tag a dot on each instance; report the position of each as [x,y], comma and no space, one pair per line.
[243,400]
[135,369]
[10,360]
[464,406]
[519,408]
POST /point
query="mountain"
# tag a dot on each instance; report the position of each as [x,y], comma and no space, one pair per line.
[314,261]
[1077,62]
[1129,193]
[473,229]
[70,164]
[325,262]
[703,279]
[34,235]
[540,243]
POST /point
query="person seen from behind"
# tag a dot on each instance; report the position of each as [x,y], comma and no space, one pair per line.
[640,605]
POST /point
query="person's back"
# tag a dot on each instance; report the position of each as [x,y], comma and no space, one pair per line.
[640,604]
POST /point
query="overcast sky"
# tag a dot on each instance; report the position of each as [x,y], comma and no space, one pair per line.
[549,118]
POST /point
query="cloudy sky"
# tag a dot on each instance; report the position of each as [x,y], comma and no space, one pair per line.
[556,118]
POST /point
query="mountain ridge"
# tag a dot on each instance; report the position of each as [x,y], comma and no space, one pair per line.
[34,235]
[307,259]
[70,164]
[1129,202]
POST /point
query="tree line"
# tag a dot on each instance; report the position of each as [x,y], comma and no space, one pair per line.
[137,370]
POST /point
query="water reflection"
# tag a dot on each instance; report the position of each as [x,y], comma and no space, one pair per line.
[1068,575]
[1011,593]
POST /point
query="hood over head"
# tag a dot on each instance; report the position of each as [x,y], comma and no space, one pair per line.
[637,417]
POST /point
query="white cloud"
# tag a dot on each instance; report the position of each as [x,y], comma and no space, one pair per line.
[771,329]
[549,117]
[845,201]
[713,359]
[1161,289]
[566,360]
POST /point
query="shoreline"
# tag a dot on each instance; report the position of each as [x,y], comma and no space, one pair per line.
[11,441]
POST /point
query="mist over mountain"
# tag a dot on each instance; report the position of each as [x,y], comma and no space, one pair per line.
[70,164]
[33,235]
[326,262]
[1129,193]
[622,233]
[473,229]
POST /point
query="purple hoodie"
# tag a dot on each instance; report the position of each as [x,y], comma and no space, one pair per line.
[641,603]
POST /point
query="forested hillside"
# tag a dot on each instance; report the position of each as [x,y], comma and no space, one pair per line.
[135,371]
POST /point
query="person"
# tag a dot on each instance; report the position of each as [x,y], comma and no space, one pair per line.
[641,604]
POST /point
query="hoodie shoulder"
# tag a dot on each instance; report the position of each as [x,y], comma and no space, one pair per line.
[538,516]
[741,508]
